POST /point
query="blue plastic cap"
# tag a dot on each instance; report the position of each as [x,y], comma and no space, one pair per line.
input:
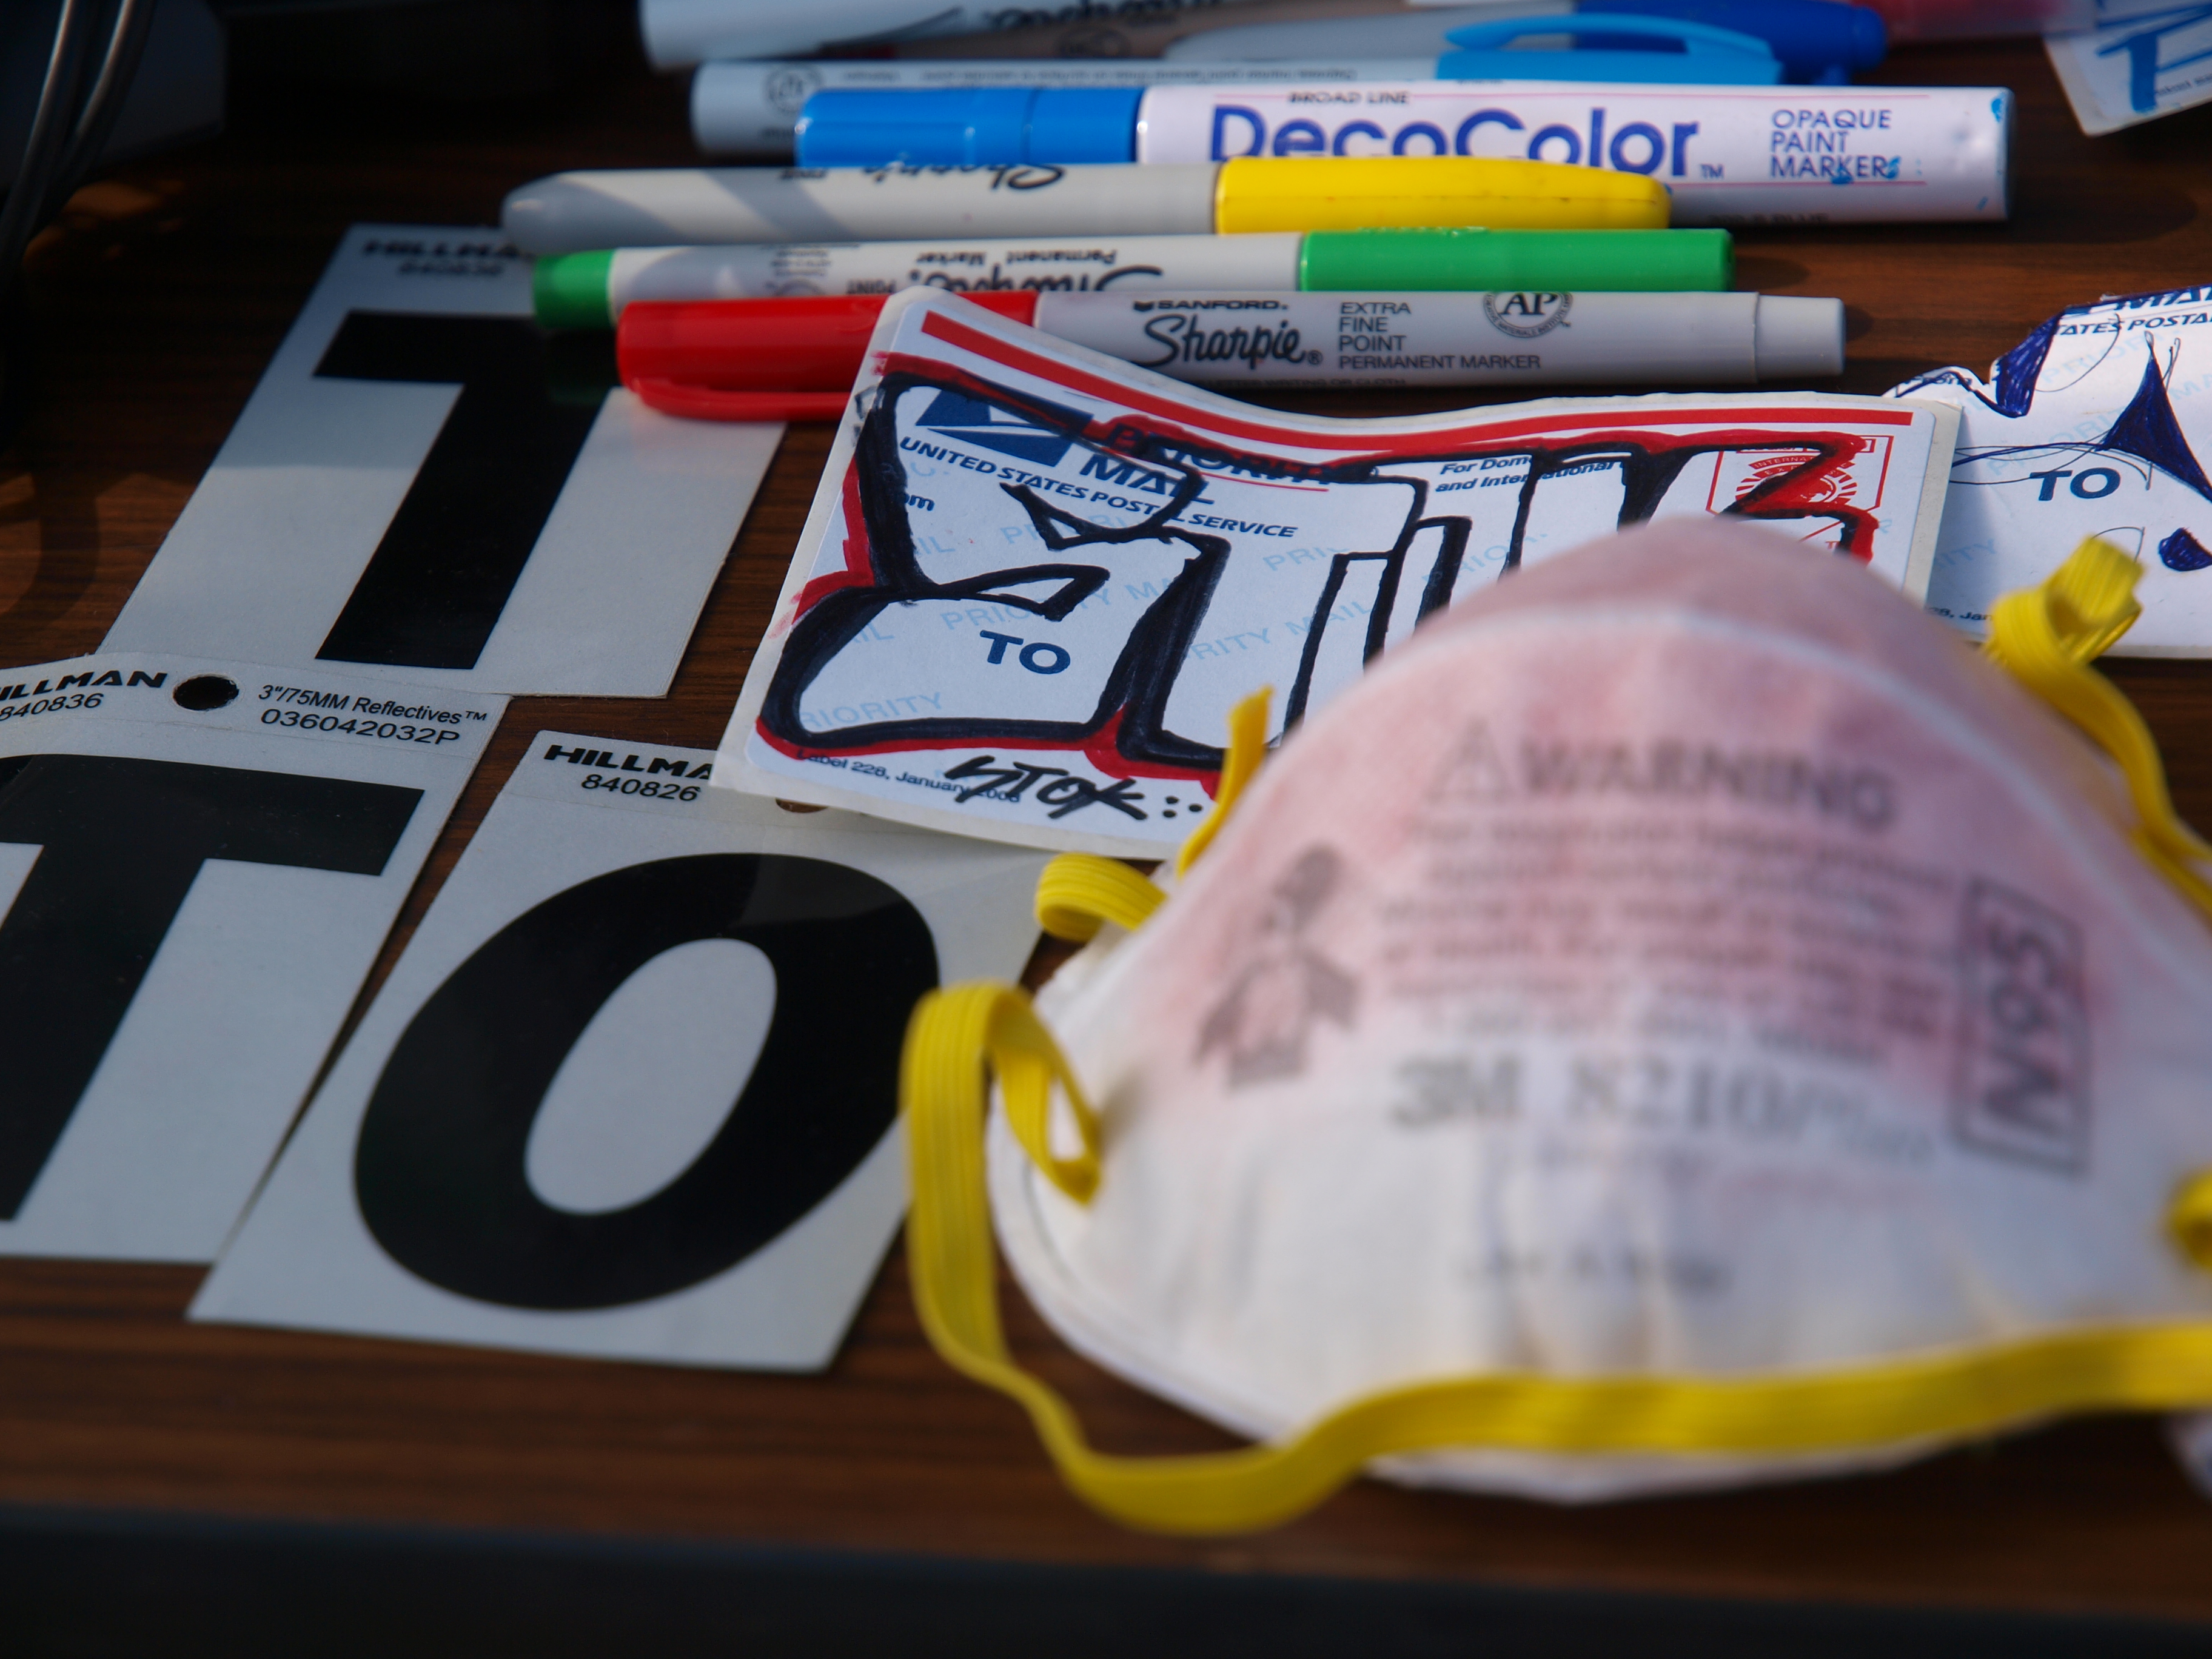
[967,126]
[1813,38]
[1072,125]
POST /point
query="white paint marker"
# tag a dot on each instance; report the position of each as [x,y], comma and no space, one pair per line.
[750,107]
[1730,156]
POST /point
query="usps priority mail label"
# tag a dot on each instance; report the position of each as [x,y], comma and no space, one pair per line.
[199,862]
[1035,580]
[631,1090]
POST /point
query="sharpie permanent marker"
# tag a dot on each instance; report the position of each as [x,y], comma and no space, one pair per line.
[590,290]
[774,359]
[1729,154]
[571,212]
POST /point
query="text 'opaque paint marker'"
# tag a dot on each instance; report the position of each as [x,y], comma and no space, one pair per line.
[777,360]
[590,290]
[1729,154]
[571,212]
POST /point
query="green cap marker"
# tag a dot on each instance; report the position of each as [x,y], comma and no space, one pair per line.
[589,290]
[1502,261]
[569,290]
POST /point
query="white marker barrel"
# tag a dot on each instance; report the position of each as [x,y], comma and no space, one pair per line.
[1730,156]
[1458,339]
[571,212]
[740,108]
[1261,261]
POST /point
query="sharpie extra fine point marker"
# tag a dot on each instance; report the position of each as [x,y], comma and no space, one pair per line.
[571,212]
[590,290]
[778,360]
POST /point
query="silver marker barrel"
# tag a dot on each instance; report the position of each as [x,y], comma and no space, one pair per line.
[1291,340]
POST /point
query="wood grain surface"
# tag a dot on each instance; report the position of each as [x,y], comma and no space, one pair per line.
[158,302]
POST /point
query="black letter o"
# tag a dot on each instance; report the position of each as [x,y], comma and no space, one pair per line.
[439,1169]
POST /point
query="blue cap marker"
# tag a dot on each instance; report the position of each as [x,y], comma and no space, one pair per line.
[968,126]
[1820,42]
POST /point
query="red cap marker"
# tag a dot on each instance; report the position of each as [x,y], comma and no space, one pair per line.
[760,360]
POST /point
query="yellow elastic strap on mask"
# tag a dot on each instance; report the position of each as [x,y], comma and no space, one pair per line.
[1247,747]
[1077,891]
[943,1098]
[2047,636]
[2189,1219]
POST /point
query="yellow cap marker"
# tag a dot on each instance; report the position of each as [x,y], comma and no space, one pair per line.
[676,207]
[1371,193]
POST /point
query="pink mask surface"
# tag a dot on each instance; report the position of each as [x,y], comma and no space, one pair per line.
[1687,958]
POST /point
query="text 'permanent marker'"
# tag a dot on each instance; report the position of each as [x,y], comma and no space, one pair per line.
[590,290]
[661,207]
[1729,154]
[777,360]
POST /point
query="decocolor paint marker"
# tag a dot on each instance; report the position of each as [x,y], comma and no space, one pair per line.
[659,207]
[1748,156]
[866,127]
[750,107]
[775,360]
[590,290]
[1729,154]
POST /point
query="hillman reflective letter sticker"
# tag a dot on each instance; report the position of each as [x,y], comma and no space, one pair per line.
[198,861]
[630,1091]
[426,487]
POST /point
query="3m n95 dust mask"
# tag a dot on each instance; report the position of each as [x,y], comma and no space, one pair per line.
[1683,1018]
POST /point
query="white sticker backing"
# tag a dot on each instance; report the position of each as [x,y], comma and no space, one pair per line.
[631,1091]
[426,487]
[198,861]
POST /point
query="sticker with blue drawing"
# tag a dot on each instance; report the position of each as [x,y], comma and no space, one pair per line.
[1029,603]
[2138,63]
[2099,423]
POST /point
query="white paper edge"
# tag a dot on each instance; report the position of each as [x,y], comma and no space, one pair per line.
[1934,485]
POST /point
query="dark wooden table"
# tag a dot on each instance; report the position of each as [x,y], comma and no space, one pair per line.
[158,300]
